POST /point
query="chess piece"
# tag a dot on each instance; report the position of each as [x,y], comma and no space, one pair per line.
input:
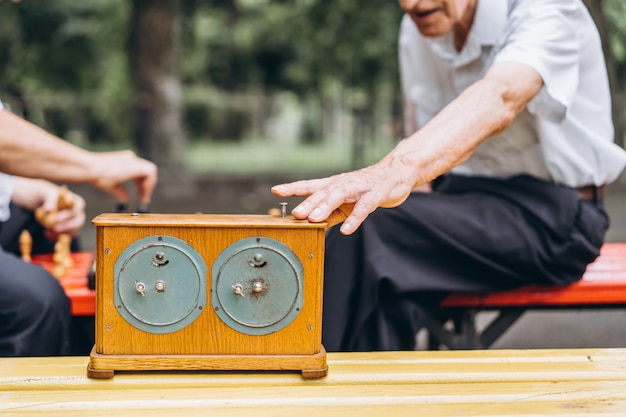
[62,257]
[26,245]
[46,218]
[64,202]
[58,271]
[49,218]
[274,211]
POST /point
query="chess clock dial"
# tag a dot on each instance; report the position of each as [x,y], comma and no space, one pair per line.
[257,286]
[160,284]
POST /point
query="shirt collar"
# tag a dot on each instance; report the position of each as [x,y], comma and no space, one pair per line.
[489,23]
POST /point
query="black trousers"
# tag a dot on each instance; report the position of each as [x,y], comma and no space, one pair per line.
[34,310]
[469,234]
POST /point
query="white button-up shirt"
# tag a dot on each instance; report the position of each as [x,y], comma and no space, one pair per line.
[565,134]
[6,191]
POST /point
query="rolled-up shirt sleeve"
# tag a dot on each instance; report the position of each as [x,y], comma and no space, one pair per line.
[6,191]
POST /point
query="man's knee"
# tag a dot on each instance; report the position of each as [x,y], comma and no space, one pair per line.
[35,313]
[48,300]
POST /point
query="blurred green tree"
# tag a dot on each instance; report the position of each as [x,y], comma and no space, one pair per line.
[157,98]
[122,72]
[66,54]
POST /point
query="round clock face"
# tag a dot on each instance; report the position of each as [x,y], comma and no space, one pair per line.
[257,286]
[160,284]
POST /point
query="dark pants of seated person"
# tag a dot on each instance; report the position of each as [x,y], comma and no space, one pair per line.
[34,310]
[469,234]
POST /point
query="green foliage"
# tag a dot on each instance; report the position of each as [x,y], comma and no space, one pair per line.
[62,45]
[615,10]
[67,55]
[261,157]
[295,45]
[331,55]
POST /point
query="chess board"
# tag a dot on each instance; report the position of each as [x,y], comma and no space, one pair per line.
[75,281]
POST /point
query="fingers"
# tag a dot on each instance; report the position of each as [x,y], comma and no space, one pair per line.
[143,174]
[120,192]
[344,200]
[50,203]
[348,197]
[145,186]
[71,225]
[351,214]
[339,215]
[319,205]
[71,220]
[299,188]
[358,214]
[118,168]
[316,190]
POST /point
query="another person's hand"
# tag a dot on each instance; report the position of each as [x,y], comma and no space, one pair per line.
[118,167]
[29,151]
[349,197]
[34,194]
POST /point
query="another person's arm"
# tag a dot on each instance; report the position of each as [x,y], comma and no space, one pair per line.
[487,107]
[28,151]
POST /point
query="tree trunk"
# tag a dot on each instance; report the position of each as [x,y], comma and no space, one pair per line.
[159,133]
[595,8]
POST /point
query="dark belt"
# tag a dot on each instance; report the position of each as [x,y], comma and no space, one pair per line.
[591,193]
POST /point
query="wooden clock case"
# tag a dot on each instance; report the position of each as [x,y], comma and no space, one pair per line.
[208,292]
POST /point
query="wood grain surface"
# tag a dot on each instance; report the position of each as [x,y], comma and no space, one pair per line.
[584,382]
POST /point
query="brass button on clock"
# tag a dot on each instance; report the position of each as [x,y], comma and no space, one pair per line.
[257,286]
[159,284]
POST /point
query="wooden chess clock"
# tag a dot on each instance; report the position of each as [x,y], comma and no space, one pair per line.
[208,292]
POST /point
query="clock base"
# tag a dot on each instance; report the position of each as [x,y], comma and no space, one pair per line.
[104,366]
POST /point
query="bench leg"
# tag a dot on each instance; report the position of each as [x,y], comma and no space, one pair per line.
[464,333]
[439,334]
[499,325]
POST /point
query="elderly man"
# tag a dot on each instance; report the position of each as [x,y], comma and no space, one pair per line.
[508,118]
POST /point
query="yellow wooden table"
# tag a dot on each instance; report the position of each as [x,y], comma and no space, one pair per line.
[590,382]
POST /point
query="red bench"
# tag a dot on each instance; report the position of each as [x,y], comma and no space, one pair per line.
[75,283]
[602,286]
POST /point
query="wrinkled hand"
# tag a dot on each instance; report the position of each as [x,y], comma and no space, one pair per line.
[348,197]
[117,168]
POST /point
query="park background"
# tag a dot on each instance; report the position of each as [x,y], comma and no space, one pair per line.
[229,97]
